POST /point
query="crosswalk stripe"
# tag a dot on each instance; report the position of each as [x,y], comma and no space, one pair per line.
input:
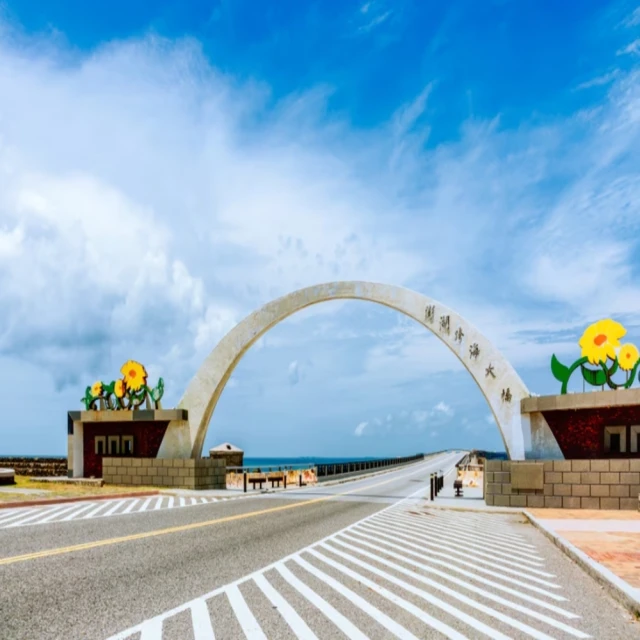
[114,508]
[434,623]
[94,512]
[246,619]
[408,541]
[132,504]
[182,502]
[476,624]
[454,520]
[460,527]
[78,511]
[22,521]
[465,585]
[6,513]
[158,503]
[459,596]
[57,514]
[346,626]
[152,629]
[471,540]
[458,550]
[193,500]
[17,513]
[394,627]
[290,615]
[201,620]
[446,543]
[145,504]
[171,501]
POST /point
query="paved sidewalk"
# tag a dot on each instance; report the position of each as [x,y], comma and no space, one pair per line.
[610,538]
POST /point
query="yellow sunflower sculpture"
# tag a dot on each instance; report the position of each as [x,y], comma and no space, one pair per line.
[119,388]
[96,389]
[135,375]
[628,356]
[600,340]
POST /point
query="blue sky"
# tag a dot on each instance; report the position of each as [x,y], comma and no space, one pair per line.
[166,168]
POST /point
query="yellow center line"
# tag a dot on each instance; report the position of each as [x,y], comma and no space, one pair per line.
[185,527]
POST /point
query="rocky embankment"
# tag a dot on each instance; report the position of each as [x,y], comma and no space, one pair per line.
[36,466]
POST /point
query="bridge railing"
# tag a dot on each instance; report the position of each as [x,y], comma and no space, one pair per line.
[325,471]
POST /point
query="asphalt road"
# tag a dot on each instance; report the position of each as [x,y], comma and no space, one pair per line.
[355,560]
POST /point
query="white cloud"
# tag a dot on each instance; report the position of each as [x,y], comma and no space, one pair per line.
[599,81]
[443,408]
[633,19]
[294,373]
[128,235]
[490,419]
[360,428]
[632,47]
[148,202]
[420,417]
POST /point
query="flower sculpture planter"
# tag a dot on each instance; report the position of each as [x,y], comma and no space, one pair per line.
[126,393]
[600,344]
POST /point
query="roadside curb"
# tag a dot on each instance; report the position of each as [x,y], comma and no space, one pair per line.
[618,588]
[113,496]
[446,507]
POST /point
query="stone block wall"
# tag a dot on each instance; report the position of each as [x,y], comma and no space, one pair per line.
[36,466]
[202,473]
[567,484]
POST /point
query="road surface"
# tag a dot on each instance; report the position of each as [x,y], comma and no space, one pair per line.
[363,559]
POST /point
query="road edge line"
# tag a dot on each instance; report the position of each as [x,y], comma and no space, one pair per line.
[620,590]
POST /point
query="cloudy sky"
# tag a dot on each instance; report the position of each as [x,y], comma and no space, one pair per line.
[166,168]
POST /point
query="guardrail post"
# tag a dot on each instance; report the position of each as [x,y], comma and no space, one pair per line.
[431,483]
[245,481]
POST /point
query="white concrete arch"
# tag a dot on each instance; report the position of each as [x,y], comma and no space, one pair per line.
[500,384]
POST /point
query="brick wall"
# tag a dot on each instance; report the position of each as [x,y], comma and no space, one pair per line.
[202,473]
[568,484]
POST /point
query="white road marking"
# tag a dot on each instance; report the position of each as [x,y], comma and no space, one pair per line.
[21,521]
[445,543]
[465,585]
[21,512]
[92,509]
[145,504]
[152,630]
[399,557]
[426,595]
[94,512]
[343,623]
[131,505]
[397,629]
[246,619]
[77,512]
[114,508]
[201,621]
[291,617]
[56,514]
[6,513]
[411,542]
[470,540]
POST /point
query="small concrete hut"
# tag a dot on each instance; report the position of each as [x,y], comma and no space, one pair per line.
[232,455]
